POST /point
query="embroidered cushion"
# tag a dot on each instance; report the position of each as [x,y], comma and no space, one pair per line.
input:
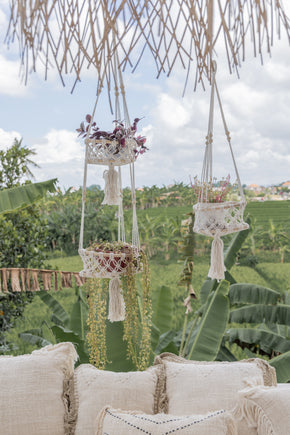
[266,408]
[111,422]
[199,387]
[33,395]
[95,389]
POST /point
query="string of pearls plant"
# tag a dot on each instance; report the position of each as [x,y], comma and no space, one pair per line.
[137,323]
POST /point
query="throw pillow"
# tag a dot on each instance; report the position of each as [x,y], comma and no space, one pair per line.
[33,392]
[95,389]
[267,408]
[111,422]
[199,387]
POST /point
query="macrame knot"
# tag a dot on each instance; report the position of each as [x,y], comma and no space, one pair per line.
[217,267]
[112,188]
[116,301]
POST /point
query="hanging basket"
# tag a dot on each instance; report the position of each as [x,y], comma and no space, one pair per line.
[110,152]
[219,219]
[108,264]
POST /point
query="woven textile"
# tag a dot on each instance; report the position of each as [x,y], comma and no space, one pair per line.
[104,152]
[199,387]
[112,422]
[267,408]
[95,389]
[32,398]
[219,219]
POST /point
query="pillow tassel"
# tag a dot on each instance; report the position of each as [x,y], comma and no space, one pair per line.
[116,301]
[217,267]
[254,415]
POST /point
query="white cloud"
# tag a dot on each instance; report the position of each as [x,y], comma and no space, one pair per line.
[58,146]
[7,138]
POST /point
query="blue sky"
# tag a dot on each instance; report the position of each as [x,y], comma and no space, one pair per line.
[45,114]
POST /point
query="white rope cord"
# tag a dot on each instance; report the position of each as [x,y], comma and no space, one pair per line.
[229,142]
[206,176]
[121,225]
[135,233]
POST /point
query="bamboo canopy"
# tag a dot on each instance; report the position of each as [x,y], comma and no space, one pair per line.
[74,35]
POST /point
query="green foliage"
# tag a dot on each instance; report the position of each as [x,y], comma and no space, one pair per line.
[65,326]
[23,233]
[212,325]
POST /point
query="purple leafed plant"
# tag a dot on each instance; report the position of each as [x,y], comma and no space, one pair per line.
[119,134]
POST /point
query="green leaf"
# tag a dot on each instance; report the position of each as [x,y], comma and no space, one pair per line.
[117,348]
[79,314]
[212,325]
[155,335]
[164,341]
[260,313]
[208,286]
[282,365]
[267,341]
[252,294]
[162,304]
[35,340]
[63,334]
[23,196]
[225,354]
[56,307]
[235,245]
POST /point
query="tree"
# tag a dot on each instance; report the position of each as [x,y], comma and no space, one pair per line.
[23,233]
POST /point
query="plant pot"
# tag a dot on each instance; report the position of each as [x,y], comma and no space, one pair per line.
[99,264]
[110,152]
[219,219]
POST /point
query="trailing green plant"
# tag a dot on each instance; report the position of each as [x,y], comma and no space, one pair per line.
[137,323]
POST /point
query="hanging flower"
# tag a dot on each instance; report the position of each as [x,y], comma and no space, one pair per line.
[119,134]
[212,192]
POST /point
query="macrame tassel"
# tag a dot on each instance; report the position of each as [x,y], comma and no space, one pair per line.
[15,283]
[217,267]
[116,301]
[112,188]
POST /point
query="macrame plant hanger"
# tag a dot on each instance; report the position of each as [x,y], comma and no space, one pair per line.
[103,152]
[216,219]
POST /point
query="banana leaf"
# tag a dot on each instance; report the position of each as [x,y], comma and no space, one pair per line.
[23,196]
[252,294]
[60,316]
[117,348]
[162,305]
[267,341]
[79,314]
[282,365]
[212,325]
[260,313]
[34,337]
[235,245]
[166,342]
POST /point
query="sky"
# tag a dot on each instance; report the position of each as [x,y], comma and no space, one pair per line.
[45,115]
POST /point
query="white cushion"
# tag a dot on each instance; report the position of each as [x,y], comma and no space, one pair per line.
[267,408]
[113,422]
[95,389]
[32,391]
[196,387]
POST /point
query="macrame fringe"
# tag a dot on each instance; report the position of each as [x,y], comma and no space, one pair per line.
[217,267]
[231,425]
[21,279]
[112,188]
[116,301]
[254,415]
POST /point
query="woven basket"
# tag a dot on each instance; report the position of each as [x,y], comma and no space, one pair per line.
[106,152]
[219,218]
[107,264]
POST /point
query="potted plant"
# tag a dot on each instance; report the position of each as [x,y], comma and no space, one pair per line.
[214,214]
[117,147]
[109,259]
